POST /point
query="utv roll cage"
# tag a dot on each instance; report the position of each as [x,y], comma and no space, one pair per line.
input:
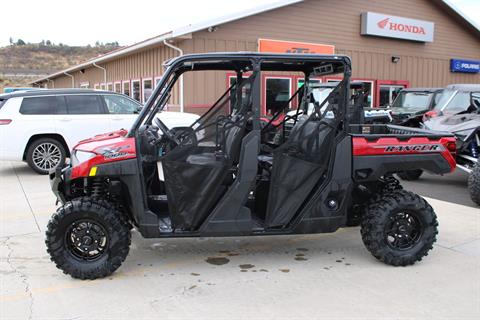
[241,63]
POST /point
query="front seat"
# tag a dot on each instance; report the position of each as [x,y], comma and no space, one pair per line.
[232,132]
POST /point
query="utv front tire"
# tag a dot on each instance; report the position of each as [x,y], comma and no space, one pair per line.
[410,175]
[87,239]
[399,229]
[474,184]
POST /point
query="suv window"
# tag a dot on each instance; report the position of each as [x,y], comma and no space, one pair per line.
[39,105]
[117,104]
[2,102]
[83,104]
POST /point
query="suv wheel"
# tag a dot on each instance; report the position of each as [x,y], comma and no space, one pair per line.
[45,154]
[474,184]
[88,239]
[399,229]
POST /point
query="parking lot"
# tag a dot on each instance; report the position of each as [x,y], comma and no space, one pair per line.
[311,276]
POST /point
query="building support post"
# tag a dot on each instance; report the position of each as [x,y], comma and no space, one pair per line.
[180,52]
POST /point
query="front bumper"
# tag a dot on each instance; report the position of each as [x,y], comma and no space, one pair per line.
[57,183]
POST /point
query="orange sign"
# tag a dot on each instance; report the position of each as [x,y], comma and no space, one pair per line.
[278,46]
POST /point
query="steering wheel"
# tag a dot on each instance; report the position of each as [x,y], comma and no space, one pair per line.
[166,131]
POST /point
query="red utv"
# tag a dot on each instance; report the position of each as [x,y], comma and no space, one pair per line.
[222,176]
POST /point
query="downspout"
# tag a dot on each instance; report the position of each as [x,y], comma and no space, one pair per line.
[73,79]
[104,73]
[180,51]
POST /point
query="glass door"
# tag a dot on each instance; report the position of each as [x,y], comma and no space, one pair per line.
[387,91]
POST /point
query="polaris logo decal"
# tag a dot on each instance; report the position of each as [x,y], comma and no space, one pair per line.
[114,153]
[420,148]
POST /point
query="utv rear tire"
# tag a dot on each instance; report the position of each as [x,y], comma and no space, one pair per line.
[53,150]
[474,184]
[410,175]
[399,229]
[88,239]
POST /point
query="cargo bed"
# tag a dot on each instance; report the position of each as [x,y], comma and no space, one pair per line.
[385,149]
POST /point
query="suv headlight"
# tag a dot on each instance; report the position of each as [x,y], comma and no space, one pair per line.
[81,156]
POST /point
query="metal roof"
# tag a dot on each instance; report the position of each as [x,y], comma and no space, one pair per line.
[202,26]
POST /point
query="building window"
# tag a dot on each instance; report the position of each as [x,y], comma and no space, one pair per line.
[126,88]
[368,86]
[277,92]
[157,80]
[96,86]
[301,81]
[147,87]
[388,93]
[110,86]
[118,87]
[136,90]
[102,86]
[84,85]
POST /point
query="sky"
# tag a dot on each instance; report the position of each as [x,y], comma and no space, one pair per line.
[87,21]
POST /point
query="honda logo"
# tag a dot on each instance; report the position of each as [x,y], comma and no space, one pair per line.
[383,23]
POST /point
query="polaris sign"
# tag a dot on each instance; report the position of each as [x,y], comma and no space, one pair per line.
[465,66]
[382,25]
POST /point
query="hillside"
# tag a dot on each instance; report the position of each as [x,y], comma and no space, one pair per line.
[20,64]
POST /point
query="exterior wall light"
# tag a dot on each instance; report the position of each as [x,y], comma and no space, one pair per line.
[395,59]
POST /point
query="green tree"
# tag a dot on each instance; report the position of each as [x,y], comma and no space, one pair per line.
[20,42]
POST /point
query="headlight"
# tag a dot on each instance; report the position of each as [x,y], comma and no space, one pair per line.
[81,156]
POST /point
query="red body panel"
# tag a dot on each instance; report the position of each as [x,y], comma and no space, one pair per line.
[415,145]
[110,147]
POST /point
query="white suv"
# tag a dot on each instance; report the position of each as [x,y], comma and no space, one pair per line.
[41,127]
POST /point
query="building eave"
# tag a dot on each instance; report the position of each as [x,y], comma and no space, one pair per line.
[457,11]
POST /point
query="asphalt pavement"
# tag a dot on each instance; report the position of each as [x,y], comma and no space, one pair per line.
[322,276]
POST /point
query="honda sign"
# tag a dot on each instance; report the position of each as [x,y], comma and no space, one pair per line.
[383,25]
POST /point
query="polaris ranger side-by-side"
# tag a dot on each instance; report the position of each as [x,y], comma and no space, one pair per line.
[222,176]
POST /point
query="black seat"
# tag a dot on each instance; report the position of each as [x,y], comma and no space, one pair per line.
[268,158]
[232,133]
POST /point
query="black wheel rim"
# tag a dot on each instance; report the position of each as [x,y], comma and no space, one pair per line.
[403,230]
[86,240]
